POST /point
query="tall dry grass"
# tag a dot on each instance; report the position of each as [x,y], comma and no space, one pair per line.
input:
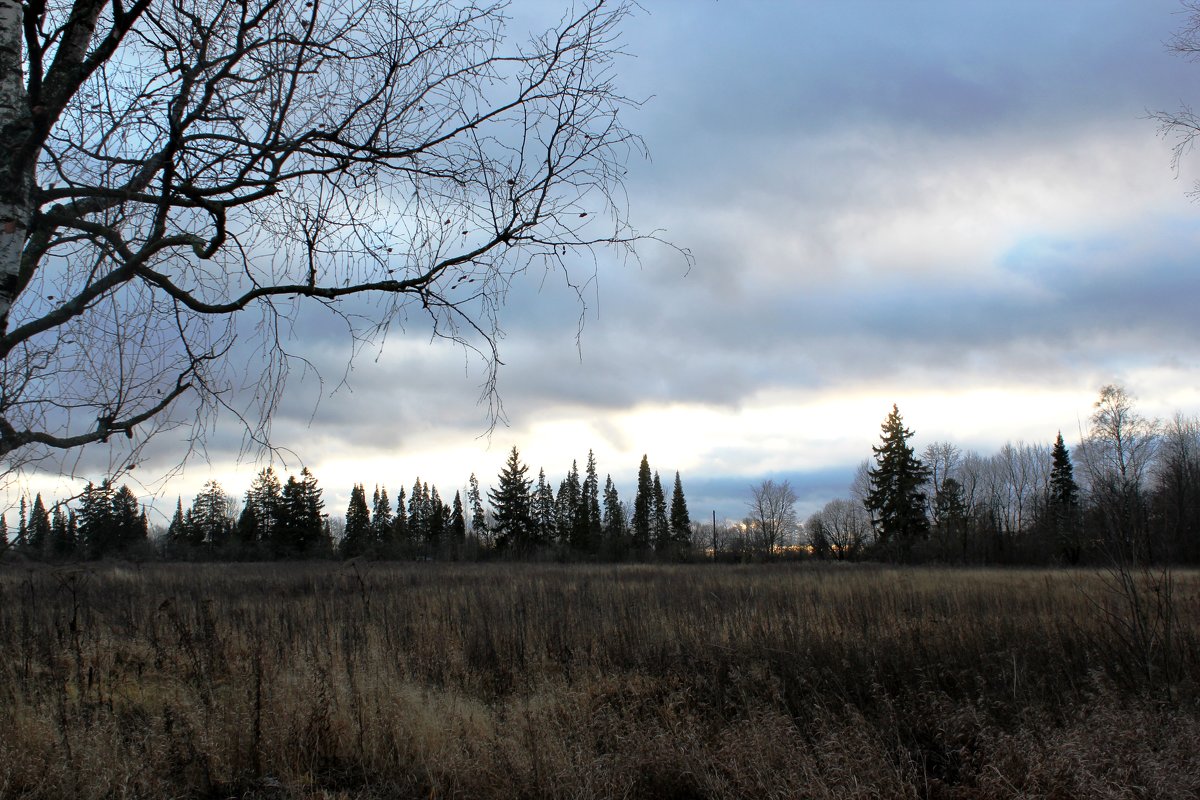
[327,680]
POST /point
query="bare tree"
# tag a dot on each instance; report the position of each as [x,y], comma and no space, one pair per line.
[1177,488]
[860,484]
[847,527]
[713,539]
[1021,475]
[184,177]
[1117,454]
[941,458]
[772,515]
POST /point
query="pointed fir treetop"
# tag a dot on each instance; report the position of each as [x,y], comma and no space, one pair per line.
[1063,489]
[681,522]
[643,507]
[896,498]
[511,505]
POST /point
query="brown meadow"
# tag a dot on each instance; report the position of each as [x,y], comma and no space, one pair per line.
[514,680]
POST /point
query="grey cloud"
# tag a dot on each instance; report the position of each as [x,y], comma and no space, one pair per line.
[784,136]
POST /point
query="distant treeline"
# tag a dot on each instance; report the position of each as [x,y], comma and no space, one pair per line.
[519,518]
[1132,491]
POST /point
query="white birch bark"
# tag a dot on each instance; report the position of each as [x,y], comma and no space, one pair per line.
[17,180]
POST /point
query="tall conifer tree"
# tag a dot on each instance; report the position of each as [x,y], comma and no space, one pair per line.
[356,539]
[545,509]
[1064,502]
[512,507]
[383,525]
[262,509]
[39,527]
[458,524]
[62,540]
[400,524]
[681,522]
[479,526]
[177,536]
[615,530]
[418,516]
[300,529]
[439,518]
[896,499]
[22,540]
[129,521]
[660,527]
[209,520]
[643,509]
[97,523]
[593,520]
[572,511]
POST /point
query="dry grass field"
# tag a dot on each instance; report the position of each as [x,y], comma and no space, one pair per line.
[523,681]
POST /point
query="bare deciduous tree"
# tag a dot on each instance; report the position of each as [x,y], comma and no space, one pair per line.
[942,458]
[182,177]
[845,526]
[1117,454]
[1021,473]
[1177,496]
[772,515]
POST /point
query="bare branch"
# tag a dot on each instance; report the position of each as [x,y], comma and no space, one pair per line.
[187,172]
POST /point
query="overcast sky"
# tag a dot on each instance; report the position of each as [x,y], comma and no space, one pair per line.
[957,207]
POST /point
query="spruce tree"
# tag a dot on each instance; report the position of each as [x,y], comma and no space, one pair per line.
[643,510]
[402,535]
[356,539]
[418,514]
[439,517]
[210,523]
[479,524]
[383,525]
[512,511]
[896,499]
[572,525]
[22,540]
[73,533]
[62,540]
[660,527]
[458,524]
[262,510]
[300,526]
[129,521]
[681,522]
[1063,502]
[545,509]
[177,533]
[590,512]
[285,532]
[39,527]
[97,524]
[616,533]
[312,535]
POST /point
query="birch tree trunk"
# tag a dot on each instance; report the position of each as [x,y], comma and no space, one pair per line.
[16,127]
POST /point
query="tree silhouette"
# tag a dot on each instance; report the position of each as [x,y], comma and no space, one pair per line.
[896,499]
[512,507]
